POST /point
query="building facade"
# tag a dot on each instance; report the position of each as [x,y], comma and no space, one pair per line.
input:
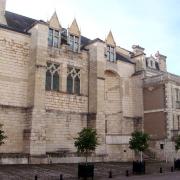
[54,82]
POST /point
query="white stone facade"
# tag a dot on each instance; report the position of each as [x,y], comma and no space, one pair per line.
[41,122]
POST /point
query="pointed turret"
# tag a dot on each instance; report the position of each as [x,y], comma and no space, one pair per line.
[110,47]
[2,12]
[74,29]
[110,39]
[54,22]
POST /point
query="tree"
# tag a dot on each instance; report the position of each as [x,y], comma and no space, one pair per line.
[2,135]
[139,142]
[177,143]
[87,141]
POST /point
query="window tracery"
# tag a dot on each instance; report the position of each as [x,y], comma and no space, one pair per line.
[73,80]
[52,76]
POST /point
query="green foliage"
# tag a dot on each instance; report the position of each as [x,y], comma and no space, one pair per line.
[2,135]
[86,141]
[139,141]
[177,143]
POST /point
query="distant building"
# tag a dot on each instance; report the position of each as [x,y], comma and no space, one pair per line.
[54,82]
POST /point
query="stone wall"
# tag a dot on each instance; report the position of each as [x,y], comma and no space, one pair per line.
[118,108]
[172,110]
[61,129]
[14,123]
[14,58]
[14,50]
[65,102]
[137,95]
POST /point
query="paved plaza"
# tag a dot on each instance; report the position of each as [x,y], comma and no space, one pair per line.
[69,171]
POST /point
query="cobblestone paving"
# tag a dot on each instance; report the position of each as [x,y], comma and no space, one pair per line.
[69,171]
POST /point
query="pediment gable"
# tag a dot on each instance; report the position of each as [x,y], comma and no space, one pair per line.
[110,39]
[54,22]
[74,29]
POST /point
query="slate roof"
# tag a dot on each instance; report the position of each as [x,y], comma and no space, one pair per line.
[18,22]
[85,40]
[123,58]
[21,24]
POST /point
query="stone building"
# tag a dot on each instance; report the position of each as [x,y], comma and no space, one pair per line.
[54,81]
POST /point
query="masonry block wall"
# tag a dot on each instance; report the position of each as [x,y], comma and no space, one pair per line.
[15,52]
[48,121]
[44,121]
[66,114]
[14,58]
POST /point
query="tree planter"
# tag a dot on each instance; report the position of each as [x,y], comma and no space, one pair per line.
[177,164]
[86,143]
[139,143]
[85,171]
[138,167]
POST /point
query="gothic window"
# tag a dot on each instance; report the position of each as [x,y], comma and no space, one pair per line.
[52,77]
[74,43]
[53,38]
[73,80]
[69,84]
[110,53]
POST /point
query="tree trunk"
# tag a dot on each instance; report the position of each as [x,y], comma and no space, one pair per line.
[86,157]
[141,156]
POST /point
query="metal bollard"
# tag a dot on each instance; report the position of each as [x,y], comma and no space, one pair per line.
[172,168]
[35,178]
[61,177]
[127,173]
[160,170]
[110,174]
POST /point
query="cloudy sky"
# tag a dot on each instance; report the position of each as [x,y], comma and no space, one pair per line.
[153,24]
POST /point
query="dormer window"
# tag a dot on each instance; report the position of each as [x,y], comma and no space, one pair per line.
[74,43]
[53,38]
[111,53]
[152,63]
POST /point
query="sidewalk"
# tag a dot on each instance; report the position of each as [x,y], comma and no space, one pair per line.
[164,176]
[69,171]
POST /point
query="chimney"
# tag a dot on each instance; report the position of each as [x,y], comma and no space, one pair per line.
[137,49]
[2,12]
